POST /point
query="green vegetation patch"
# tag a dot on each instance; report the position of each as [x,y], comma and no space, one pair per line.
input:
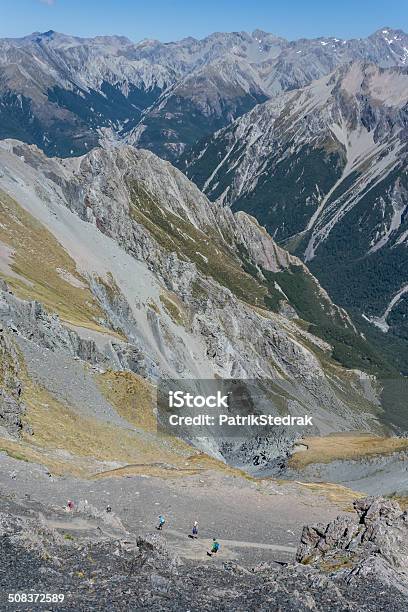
[173,309]
[288,192]
[206,249]
[349,348]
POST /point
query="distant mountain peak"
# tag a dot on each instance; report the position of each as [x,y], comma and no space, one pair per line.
[386,32]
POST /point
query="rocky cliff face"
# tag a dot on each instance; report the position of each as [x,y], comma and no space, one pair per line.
[11,406]
[324,168]
[136,259]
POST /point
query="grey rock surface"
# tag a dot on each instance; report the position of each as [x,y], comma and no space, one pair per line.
[167,269]
[374,547]
[11,406]
[378,475]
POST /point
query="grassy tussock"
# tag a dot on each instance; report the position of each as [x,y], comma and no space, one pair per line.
[174,308]
[59,428]
[132,396]
[68,443]
[335,493]
[206,249]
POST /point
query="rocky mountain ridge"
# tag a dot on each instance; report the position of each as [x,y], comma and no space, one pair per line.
[11,407]
[150,278]
[66,93]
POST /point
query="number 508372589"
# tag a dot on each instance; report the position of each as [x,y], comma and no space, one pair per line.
[36,597]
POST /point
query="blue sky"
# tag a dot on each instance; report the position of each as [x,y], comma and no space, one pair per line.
[175,19]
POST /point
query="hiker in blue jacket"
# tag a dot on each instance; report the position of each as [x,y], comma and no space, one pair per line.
[162,520]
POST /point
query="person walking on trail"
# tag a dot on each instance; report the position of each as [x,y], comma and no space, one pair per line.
[70,506]
[215,546]
[195,529]
[162,520]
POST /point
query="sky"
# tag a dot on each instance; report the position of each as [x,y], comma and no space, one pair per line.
[175,19]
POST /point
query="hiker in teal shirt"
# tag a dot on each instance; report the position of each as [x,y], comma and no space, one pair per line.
[214,547]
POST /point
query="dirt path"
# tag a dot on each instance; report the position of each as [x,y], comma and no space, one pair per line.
[180,542]
[196,549]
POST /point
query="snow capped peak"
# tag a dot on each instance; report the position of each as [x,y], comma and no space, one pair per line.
[388,33]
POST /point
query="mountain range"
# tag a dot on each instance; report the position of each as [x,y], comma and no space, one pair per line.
[66,94]
[204,215]
[117,260]
[324,168]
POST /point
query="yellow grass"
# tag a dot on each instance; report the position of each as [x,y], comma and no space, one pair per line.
[24,451]
[57,426]
[189,466]
[174,307]
[345,446]
[37,258]
[335,493]
[402,501]
[132,396]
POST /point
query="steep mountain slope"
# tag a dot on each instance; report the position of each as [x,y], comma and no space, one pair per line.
[133,270]
[325,169]
[66,94]
[202,102]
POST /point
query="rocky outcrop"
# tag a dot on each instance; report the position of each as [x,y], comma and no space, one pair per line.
[34,323]
[373,547]
[154,550]
[11,407]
